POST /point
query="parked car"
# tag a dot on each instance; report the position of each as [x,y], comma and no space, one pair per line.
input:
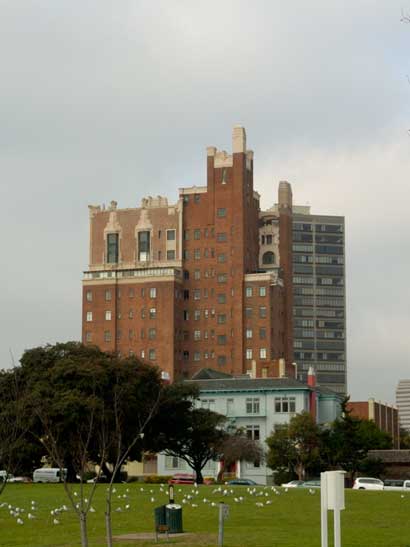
[293,484]
[243,482]
[48,474]
[368,483]
[11,478]
[182,478]
[397,485]
[98,478]
[311,484]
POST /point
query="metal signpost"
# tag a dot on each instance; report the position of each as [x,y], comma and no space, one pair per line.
[171,493]
[223,514]
[332,496]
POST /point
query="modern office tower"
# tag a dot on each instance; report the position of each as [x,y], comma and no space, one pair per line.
[319,310]
[403,403]
[180,285]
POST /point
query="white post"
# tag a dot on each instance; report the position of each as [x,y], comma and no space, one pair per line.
[336,520]
[221,525]
[323,506]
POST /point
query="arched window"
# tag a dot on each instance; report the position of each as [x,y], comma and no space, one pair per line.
[268,258]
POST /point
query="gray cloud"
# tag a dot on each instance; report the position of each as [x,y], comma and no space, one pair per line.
[102,100]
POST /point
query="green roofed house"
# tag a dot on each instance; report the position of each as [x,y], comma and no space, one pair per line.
[257,405]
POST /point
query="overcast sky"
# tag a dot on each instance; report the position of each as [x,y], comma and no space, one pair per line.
[106,100]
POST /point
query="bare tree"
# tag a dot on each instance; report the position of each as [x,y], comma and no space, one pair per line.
[238,447]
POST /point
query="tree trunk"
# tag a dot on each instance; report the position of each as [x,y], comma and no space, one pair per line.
[221,472]
[199,477]
[83,527]
[108,527]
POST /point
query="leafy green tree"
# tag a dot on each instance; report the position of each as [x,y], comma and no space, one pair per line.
[295,446]
[198,439]
[404,439]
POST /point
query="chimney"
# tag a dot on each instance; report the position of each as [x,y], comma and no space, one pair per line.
[238,140]
[253,369]
[311,377]
[311,382]
[285,195]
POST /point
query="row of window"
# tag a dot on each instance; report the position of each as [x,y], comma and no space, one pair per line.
[211,313]
[198,356]
[152,293]
[330,228]
[319,238]
[152,314]
[307,280]
[322,249]
[263,353]
[319,324]
[297,312]
[252,406]
[250,290]
[318,291]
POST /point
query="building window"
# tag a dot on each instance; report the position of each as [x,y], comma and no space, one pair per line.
[185,355]
[262,312]
[262,333]
[230,406]
[112,248]
[107,336]
[186,235]
[197,315]
[248,291]
[142,313]
[262,353]
[262,291]
[170,255]
[143,246]
[152,313]
[253,432]
[221,339]
[88,336]
[285,404]
[197,355]
[221,318]
[248,353]
[108,295]
[131,293]
[221,360]
[221,212]
[197,254]
[142,354]
[206,313]
[197,335]
[186,294]
[197,233]
[172,462]
[152,334]
[269,239]
[153,292]
[151,354]
[248,312]
[252,405]
[197,294]
[268,258]
[108,315]
[221,236]
[208,403]
[222,278]
[186,315]
[248,333]
[221,298]
[197,274]
[222,258]
[170,235]
[89,316]
[89,296]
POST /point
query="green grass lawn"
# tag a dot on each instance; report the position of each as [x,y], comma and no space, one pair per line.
[374,519]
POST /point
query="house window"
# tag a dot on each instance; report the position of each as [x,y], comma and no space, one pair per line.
[153,292]
[222,278]
[197,355]
[268,258]
[197,334]
[248,312]
[285,404]
[197,315]
[252,405]
[221,339]
[89,316]
[248,333]
[143,246]
[269,239]
[197,198]
[186,315]
[248,291]
[248,353]
[112,248]
[152,313]
[262,312]
[170,235]
[208,403]
[170,255]
[221,212]
[108,294]
[151,354]
[262,333]
[152,334]
[108,315]
[107,336]
[172,462]
[221,318]
[89,296]
[197,233]
[197,294]
[221,298]
[197,254]
[262,291]
[262,353]
[230,406]
[197,274]
[253,432]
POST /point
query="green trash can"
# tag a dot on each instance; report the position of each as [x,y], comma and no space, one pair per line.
[160,516]
[174,518]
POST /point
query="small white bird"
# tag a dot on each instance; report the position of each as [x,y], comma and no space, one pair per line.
[213,504]
[141,489]
[311,491]
[75,494]
[152,500]
[56,521]
[268,502]
[114,490]
[127,506]
[286,490]
[30,516]
[259,504]
[52,512]
[92,510]
[20,521]
[194,505]
[64,508]
[119,510]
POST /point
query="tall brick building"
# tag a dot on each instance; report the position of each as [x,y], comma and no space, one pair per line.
[191,285]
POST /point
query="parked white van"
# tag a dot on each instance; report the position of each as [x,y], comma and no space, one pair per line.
[49,474]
